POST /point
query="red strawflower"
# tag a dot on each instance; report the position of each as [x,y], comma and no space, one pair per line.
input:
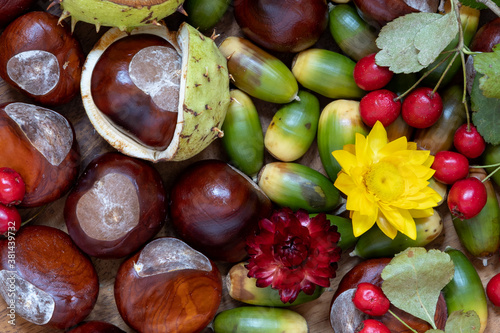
[292,252]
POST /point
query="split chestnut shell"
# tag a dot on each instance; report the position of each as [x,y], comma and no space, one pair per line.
[124,14]
[203,94]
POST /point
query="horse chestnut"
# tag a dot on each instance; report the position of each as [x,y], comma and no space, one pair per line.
[41,58]
[40,144]
[283,26]
[117,205]
[10,9]
[214,208]
[55,283]
[95,326]
[168,287]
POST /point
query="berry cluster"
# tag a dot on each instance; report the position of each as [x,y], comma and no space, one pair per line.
[12,191]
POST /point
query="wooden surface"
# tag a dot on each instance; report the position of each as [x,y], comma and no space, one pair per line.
[91,145]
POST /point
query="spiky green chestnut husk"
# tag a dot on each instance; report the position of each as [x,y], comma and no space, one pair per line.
[203,95]
[124,14]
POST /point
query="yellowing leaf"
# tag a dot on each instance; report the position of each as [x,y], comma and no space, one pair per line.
[396,42]
[486,117]
[427,42]
[414,278]
[463,322]
[488,63]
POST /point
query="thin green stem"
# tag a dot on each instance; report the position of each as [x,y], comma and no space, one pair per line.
[485,166]
[402,322]
[423,77]
[464,95]
[455,5]
[444,73]
[491,174]
[469,52]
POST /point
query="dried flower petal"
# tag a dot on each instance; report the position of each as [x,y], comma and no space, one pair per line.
[292,252]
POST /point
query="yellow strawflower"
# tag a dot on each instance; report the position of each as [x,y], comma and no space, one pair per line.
[386,182]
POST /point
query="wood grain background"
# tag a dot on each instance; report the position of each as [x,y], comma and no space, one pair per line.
[91,145]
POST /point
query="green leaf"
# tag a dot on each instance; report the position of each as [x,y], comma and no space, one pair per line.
[396,42]
[488,63]
[434,331]
[429,47]
[486,115]
[463,322]
[477,5]
[414,278]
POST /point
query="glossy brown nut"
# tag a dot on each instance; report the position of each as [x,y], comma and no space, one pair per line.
[47,162]
[369,271]
[41,58]
[168,287]
[378,12]
[117,96]
[214,208]
[10,9]
[96,327]
[117,205]
[486,37]
[276,25]
[55,283]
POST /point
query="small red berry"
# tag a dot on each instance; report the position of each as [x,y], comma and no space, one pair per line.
[422,108]
[370,76]
[379,105]
[468,141]
[373,326]
[493,290]
[12,187]
[467,198]
[450,167]
[370,299]
[10,220]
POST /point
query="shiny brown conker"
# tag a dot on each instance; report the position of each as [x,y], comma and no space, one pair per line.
[486,37]
[283,26]
[378,12]
[127,88]
[214,208]
[116,206]
[10,9]
[95,326]
[54,283]
[168,287]
[40,144]
[370,271]
[41,58]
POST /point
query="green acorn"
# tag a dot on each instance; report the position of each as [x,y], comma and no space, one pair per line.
[243,139]
[327,73]
[257,72]
[293,128]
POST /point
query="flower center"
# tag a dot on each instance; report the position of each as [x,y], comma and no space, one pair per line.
[292,252]
[384,181]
